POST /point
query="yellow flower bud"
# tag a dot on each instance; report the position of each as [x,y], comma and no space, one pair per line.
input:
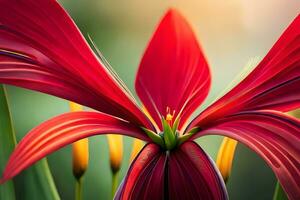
[225,157]
[136,148]
[115,143]
[75,107]
[80,150]
[80,157]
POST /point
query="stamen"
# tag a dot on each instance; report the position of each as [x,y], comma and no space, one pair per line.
[169,116]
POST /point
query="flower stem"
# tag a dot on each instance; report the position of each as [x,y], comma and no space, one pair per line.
[115,183]
[279,193]
[78,189]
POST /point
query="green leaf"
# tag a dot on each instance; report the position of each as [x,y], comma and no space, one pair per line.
[7,144]
[279,193]
[34,183]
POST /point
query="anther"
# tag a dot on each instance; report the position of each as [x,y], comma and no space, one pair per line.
[169,116]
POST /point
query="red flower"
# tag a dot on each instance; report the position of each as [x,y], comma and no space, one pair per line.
[42,49]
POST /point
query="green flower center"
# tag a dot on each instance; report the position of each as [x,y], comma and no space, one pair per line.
[170,137]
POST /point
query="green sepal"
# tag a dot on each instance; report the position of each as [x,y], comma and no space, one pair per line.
[193,131]
[169,135]
[36,182]
[183,138]
[175,124]
[155,137]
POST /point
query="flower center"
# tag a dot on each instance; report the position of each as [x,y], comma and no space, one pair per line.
[170,132]
[169,137]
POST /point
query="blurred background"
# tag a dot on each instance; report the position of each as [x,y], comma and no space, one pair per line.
[231,33]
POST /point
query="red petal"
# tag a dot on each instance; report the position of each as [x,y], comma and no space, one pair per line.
[274,136]
[274,84]
[60,131]
[173,72]
[184,173]
[145,178]
[193,175]
[42,49]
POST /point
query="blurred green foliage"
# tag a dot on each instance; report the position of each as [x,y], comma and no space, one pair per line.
[7,143]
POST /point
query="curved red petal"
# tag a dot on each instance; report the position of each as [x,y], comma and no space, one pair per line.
[274,84]
[173,72]
[184,173]
[42,49]
[62,130]
[145,178]
[193,175]
[274,136]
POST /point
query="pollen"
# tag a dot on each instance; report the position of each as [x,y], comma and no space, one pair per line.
[169,116]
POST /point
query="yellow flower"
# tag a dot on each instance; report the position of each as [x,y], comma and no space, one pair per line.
[225,157]
[80,150]
[115,143]
[136,147]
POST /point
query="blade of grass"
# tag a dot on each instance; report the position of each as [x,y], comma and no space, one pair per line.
[7,143]
[33,184]
[36,183]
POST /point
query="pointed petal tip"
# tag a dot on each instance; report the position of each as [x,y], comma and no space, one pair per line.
[172,11]
[173,14]
[173,48]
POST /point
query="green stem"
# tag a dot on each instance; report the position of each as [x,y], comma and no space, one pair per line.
[78,189]
[279,193]
[115,183]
